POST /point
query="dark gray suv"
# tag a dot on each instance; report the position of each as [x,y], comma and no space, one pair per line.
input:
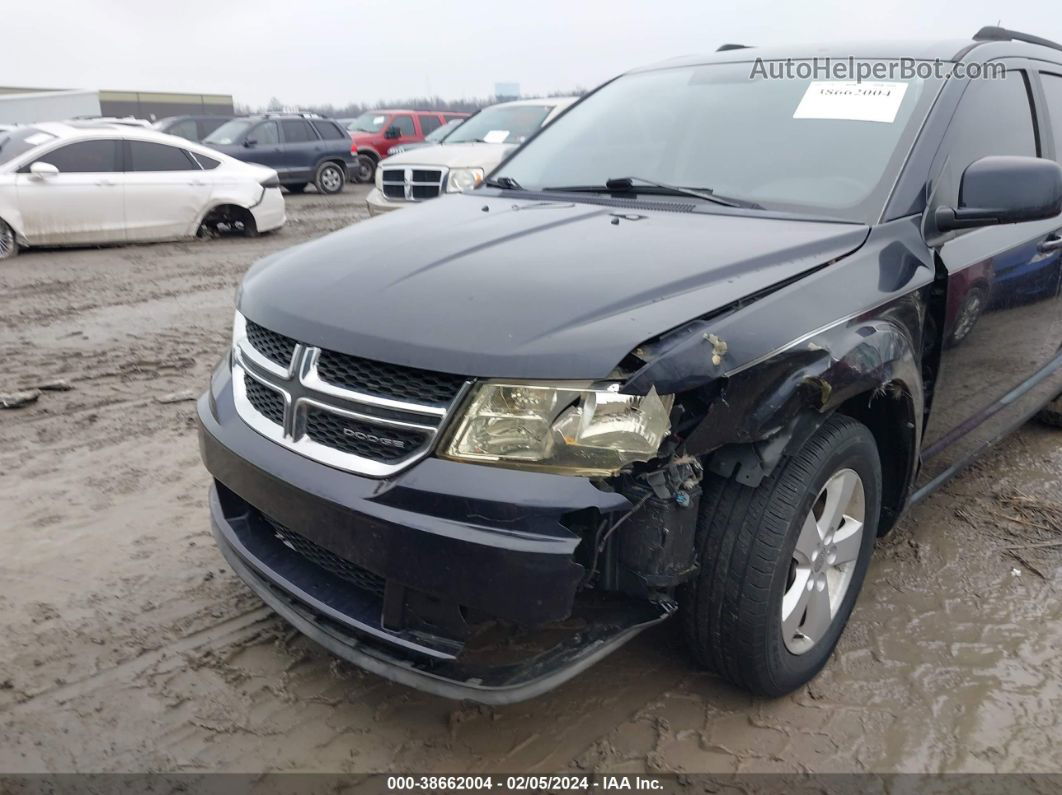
[302,148]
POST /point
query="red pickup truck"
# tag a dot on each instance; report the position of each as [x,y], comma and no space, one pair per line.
[375,132]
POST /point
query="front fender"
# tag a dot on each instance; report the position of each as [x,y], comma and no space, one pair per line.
[760,377]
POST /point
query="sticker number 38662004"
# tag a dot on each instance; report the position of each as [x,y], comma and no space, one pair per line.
[851,101]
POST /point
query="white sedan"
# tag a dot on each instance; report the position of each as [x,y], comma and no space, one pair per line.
[73,184]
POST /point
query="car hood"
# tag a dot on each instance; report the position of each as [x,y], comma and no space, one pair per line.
[471,155]
[487,285]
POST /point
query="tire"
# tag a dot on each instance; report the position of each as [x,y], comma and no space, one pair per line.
[297,188]
[1051,414]
[8,242]
[364,169]
[751,568]
[330,178]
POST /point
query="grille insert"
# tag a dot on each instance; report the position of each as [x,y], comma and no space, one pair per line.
[375,442]
[329,561]
[267,402]
[388,380]
[424,183]
[273,346]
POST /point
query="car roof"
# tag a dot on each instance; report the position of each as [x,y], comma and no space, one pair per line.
[85,131]
[989,43]
[552,102]
[407,110]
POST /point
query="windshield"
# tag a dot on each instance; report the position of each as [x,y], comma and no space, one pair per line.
[370,121]
[439,133]
[20,140]
[789,144]
[229,132]
[502,124]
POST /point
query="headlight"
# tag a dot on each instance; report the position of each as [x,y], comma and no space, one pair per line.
[379,179]
[573,430]
[462,179]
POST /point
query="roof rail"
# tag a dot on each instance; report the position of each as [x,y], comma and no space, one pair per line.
[993,33]
[272,114]
[725,47]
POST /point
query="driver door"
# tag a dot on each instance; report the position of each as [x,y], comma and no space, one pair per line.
[83,203]
[1002,327]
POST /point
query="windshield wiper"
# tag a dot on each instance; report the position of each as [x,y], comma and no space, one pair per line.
[505,183]
[626,185]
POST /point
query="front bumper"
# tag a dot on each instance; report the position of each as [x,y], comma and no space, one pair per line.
[378,204]
[463,556]
[270,213]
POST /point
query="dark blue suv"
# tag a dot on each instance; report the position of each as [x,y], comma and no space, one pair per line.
[303,148]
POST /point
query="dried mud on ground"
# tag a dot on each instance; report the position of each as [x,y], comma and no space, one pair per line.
[128,645]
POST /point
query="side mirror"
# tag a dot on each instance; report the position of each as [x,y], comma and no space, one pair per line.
[251,143]
[392,132]
[43,170]
[1004,190]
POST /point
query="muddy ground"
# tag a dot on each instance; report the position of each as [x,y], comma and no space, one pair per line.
[126,644]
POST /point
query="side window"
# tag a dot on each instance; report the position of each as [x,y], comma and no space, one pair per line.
[185,129]
[84,157]
[296,131]
[329,131]
[1053,93]
[404,125]
[429,124]
[206,163]
[147,156]
[994,118]
[265,133]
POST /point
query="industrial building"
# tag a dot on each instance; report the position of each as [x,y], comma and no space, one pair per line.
[29,105]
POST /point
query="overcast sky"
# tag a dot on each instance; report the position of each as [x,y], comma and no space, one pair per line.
[338,51]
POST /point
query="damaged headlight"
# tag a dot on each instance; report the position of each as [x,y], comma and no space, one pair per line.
[571,430]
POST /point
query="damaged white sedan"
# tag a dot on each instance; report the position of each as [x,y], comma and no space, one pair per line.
[89,183]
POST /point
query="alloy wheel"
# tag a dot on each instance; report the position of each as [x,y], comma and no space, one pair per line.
[331,179]
[824,561]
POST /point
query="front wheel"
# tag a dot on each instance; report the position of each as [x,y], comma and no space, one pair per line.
[1051,414]
[330,178]
[8,243]
[364,169]
[781,564]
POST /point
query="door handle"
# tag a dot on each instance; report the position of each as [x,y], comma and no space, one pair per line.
[1053,243]
[107,183]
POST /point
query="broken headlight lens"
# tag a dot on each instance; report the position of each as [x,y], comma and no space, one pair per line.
[577,430]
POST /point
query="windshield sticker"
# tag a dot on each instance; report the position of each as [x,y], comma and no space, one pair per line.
[496,136]
[378,119]
[39,138]
[851,101]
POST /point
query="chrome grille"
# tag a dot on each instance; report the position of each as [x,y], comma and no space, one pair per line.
[267,402]
[359,415]
[362,438]
[273,346]
[389,380]
[413,183]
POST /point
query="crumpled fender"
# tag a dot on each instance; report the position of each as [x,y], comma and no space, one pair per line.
[772,370]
